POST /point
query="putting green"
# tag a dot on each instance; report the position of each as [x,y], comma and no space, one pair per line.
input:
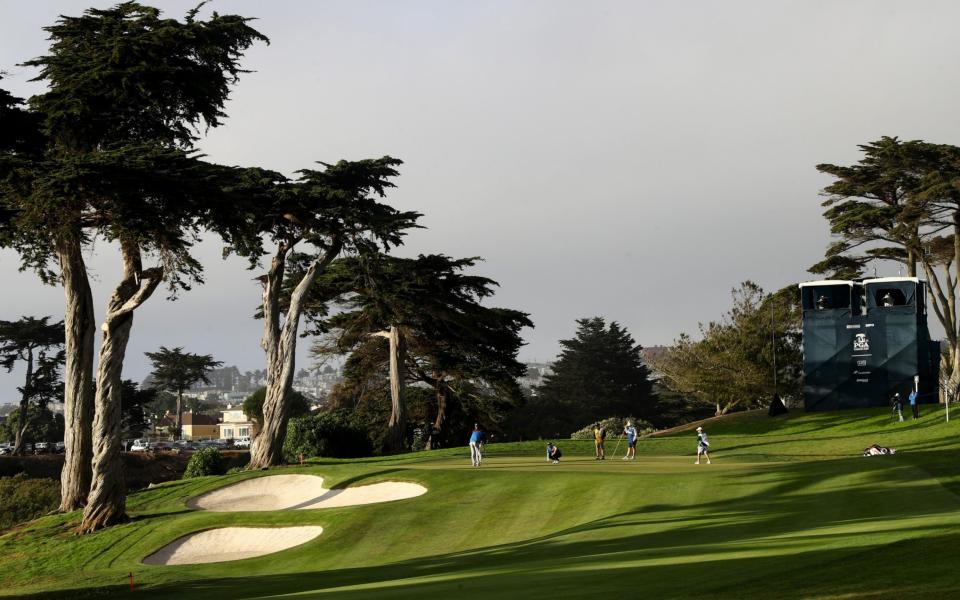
[788,509]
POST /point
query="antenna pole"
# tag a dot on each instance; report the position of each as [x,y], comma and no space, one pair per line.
[773,343]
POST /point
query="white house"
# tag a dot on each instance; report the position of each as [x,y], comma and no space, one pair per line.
[235,424]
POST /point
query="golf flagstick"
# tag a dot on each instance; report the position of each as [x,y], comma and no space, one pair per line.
[618,445]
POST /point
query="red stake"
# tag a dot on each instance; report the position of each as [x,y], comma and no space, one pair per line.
[131,581]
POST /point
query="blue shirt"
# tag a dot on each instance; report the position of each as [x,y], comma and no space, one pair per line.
[476,436]
[631,433]
[912,398]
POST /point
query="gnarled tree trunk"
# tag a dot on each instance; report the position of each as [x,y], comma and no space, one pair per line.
[443,397]
[78,386]
[443,394]
[106,505]
[396,427]
[280,344]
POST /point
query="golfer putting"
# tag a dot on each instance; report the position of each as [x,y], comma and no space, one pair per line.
[631,432]
[702,445]
[476,445]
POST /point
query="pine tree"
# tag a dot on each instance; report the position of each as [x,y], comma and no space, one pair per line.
[175,371]
[600,373]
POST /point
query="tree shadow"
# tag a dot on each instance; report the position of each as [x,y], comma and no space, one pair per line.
[790,524]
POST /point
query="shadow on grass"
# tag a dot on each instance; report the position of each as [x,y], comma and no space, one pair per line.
[735,546]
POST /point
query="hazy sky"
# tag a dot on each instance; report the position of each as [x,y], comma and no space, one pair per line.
[634,160]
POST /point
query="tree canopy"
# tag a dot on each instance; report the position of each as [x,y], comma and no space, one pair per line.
[465,351]
[253,404]
[866,205]
[127,95]
[37,344]
[732,364]
[311,221]
[599,373]
[135,406]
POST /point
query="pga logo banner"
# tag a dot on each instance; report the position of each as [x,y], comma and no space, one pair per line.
[860,342]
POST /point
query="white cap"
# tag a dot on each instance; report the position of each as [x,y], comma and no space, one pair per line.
[699,428]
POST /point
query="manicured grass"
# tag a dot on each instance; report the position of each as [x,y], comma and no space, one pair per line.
[788,510]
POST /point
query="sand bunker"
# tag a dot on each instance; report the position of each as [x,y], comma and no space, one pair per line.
[289,492]
[231,543]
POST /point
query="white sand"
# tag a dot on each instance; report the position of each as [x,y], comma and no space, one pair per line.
[289,492]
[231,543]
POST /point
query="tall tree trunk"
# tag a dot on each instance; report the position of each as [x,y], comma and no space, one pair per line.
[24,406]
[396,427]
[79,327]
[179,433]
[943,299]
[280,344]
[443,397]
[954,333]
[106,505]
[945,376]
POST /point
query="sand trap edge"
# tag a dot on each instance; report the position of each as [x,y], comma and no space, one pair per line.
[194,502]
[297,491]
[207,545]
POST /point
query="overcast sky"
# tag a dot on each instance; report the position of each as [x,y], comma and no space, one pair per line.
[634,160]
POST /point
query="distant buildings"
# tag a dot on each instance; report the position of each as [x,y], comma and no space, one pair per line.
[229,386]
[533,378]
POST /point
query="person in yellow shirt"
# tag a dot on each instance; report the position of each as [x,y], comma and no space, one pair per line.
[599,436]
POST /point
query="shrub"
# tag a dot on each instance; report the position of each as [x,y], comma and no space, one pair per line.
[419,440]
[333,434]
[23,499]
[614,427]
[206,461]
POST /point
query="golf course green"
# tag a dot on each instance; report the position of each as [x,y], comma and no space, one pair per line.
[788,509]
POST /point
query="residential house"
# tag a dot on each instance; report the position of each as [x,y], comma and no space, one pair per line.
[236,424]
[199,427]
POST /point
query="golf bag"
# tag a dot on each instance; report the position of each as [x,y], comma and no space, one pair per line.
[877,450]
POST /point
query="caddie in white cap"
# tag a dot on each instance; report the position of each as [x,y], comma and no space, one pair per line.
[702,445]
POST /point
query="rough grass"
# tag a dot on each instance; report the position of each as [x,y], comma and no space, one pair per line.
[23,499]
[788,510]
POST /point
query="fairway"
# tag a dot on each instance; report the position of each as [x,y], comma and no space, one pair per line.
[788,509]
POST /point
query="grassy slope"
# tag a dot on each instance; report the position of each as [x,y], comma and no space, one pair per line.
[788,509]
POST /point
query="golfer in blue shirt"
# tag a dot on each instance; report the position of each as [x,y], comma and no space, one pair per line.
[476,445]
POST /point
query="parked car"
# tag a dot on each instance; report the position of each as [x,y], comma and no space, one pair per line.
[243,442]
[59,447]
[41,448]
[6,449]
[140,446]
